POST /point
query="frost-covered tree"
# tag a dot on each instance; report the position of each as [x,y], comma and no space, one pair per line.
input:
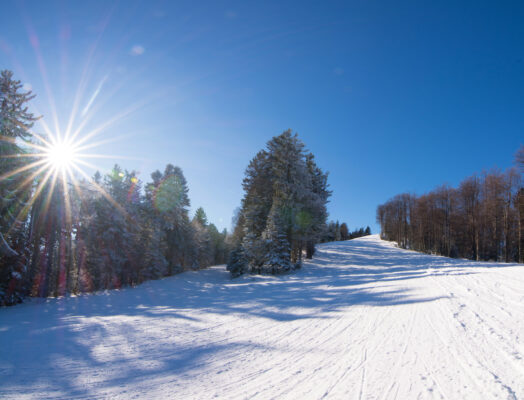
[277,247]
[201,243]
[237,264]
[15,188]
[168,196]
[111,233]
[219,246]
[200,216]
[283,210]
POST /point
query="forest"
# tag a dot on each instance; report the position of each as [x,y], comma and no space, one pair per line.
[60,236]
[481,219]
[110,231]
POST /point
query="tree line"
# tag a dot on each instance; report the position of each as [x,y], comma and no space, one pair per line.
[107,232]
[336,231]
[481,219]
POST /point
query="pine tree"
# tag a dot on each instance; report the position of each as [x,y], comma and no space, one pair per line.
[236,263]
[200,216]
[168,197]
[15,187]
[283,210]
[218,245]
[277,248]
[201,244]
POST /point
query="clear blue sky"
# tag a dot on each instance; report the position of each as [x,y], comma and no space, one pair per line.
[390,96]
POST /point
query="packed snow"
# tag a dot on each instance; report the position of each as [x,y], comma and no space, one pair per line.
[362,320]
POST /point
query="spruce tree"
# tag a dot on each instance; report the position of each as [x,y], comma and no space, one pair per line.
[15,189]
[169,201]
[283,210]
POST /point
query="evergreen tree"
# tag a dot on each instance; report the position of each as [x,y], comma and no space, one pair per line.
[219,248]
[236,263]
[201,244]
[283,210]
[200,216]
[15,187]
[168,197]
[277,249]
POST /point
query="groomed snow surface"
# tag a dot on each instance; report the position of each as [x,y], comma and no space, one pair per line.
[364,320]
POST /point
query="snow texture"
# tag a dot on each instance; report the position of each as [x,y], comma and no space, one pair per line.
[363,320]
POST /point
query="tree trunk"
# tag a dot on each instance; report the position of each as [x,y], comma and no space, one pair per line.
[521,225]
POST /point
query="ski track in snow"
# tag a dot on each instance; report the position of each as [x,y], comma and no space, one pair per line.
[363,320]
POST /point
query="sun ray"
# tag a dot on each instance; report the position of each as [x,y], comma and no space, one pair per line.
[132,108]
[21,169]
[30,178]
[32,199]
[88,164]
[56,157]
[67,201]
[33,39]
[105,124]
[14,141]
[86,72]
[102,191]
[42,139]
[101,142]
[74,182]
[23,155]
[110,156]
[52,185]
[47,131]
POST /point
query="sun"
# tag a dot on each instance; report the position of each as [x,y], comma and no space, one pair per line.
[61,155]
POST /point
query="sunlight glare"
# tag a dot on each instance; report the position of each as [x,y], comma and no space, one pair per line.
[61,155]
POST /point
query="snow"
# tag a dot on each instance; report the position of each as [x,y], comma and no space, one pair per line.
[363,320]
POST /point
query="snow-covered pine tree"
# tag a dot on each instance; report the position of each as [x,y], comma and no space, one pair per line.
[15,189]
[312,219]
[236,263]
[283,209]
[277,248]
[168,195]
[219,247]
[200,216]
[291,189]
[201,242]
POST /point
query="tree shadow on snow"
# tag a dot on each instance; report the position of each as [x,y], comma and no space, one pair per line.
[53,343]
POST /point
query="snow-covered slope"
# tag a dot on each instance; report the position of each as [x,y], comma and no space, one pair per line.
[364,320]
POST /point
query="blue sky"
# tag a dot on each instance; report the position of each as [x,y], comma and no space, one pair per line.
[389,96]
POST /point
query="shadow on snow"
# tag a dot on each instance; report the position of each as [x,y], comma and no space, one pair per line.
[40,340]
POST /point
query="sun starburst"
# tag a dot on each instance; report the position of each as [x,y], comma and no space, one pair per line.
[61,155]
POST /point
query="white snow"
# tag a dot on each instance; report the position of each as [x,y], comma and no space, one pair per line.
[364,320]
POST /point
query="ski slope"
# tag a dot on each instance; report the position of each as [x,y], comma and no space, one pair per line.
[363,320]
